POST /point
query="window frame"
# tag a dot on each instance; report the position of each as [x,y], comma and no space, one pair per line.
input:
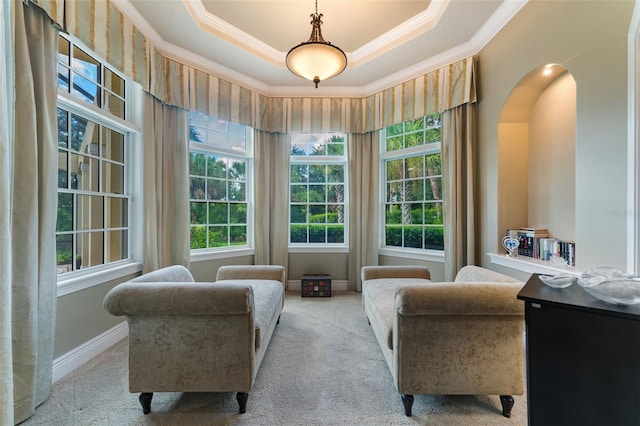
[425,149]
[229,251]
[80,279]
[325,160]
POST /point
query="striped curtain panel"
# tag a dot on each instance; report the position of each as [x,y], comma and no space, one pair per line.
[108,32]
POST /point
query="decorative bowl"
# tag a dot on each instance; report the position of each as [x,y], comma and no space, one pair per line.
[611,285]
[557,281]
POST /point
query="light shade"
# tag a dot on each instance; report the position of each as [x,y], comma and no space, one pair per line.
[316,59]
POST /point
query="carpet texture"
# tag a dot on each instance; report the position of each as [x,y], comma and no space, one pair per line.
[323,367]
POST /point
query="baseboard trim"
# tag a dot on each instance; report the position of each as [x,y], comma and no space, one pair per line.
[336,285]
[74,359]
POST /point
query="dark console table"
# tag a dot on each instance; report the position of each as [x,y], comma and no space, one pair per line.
[583,358]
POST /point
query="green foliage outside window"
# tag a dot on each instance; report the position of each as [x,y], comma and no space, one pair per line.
[413,206]
[317,190]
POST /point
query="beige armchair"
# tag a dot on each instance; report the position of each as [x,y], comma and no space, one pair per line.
[448,338]
[187,336]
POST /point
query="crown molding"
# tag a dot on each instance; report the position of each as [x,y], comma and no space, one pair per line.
[221,28]
[507,10]
[419,24]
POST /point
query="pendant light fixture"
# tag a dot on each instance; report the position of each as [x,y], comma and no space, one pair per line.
[316,59]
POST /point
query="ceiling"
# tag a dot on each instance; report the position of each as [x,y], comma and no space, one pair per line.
[386,41]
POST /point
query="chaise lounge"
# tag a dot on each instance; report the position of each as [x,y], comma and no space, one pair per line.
[447,338]
[187,336]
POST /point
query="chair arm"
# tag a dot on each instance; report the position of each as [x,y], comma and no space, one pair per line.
[459,299]
[251,272]
[177,298]
[376,272]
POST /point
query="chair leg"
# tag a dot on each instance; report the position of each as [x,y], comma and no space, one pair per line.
[145,401]
[407,400]
[507,404]
[242,398]
[278,322]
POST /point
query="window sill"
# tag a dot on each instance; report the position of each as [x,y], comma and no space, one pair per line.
[319,249]
[428,255]
[81,280]
[203,255]
[530,265]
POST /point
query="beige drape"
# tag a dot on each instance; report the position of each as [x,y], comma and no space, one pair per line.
[363,151]
[271,188]
[165,186]
[458,135]
[29,202]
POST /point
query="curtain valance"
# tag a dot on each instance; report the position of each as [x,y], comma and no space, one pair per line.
[108,32]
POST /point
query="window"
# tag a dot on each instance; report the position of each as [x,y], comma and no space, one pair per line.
[94,195]
[413,184]
[220,159]
[317,190]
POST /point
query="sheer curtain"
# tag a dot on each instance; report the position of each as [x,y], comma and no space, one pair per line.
[28,193]
[272,198]
[165,186]
[458,135]
[363,151]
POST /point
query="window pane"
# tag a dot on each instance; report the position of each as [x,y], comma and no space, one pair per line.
[335,173]
[413,237]
[317,213]
[238,213]
[114,105]
[433,213]
[84,133]
[237,191]
[414,190]
[237,170]
[335,234]
[317,193]
[299,173]
[317,173]
[198,237]
[298,233]
[112,145]
[238,235]
[64,221]
[84,173]
[335,213]
[85,64]
[299,193]
[63,78]
[218,236]
[216,167]
[335,193]
[416,213]
[415,167]
[433,189]
[216,189]
[63,173]
[117,212]
[64,253]
[317,233]
[90,249]
[113,82]
[298,214]
[393,214]
[63,128]
[112,178]
[86,90]
[395,169]
[393,236]
[90,212]
[197,164]
[218,213]
[198,213]
[434,238]
[197,188]
[117,245]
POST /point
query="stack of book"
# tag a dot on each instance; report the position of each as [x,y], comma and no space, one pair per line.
[537,243]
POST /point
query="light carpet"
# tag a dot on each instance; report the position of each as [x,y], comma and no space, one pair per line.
[323,367]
